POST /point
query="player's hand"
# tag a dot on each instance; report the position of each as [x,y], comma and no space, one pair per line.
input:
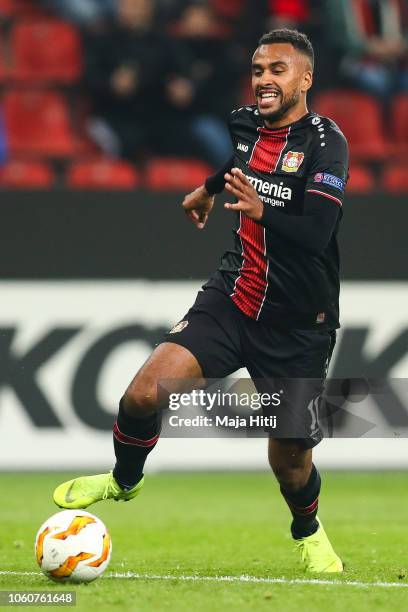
[197,206]
[248,199]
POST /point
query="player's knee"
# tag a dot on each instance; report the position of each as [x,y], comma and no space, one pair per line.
[140,400]
[290,463]
[291,473]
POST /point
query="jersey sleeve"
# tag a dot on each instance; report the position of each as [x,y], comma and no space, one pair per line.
[216,182]
[328,171]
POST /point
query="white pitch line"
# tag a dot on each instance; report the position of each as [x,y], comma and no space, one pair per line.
[250,579]
[11,573]
[255,579]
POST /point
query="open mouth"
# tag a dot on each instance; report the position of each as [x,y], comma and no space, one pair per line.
[267,98]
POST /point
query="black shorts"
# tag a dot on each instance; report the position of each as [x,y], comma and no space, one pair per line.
[223,340]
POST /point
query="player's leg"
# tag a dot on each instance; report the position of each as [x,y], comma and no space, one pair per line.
[291,462]
[206,344]
[136,430]
[138,424]
[299,483]
[297,362]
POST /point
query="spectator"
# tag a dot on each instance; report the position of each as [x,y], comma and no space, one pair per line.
[82,12]
[131,72]
[143,95]
[213,68]
[369,39]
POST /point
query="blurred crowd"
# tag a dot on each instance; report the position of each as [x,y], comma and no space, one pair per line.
[163,75]
[160,77]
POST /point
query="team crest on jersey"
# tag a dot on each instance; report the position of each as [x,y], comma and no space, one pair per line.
[179,327]
[292,161]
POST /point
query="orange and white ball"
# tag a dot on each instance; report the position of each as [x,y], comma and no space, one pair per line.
[73,546]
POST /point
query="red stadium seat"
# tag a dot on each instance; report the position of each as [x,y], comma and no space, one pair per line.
[395,178]
[359,116]
[26,175]
[38,123]
[102,174]
[399,117]
[7,8]
[361,180]
[174,174]
[46,50]
[11,8]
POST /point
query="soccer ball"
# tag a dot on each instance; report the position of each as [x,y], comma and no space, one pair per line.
[73,546]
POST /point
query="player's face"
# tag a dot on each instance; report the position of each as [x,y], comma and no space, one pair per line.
[281,76]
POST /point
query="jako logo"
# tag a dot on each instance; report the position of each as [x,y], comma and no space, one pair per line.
[278,191]
[242,147]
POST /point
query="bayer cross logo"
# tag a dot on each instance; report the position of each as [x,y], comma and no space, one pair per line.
[292,161]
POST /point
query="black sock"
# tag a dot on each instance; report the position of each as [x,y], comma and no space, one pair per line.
[303,505]
[133,440]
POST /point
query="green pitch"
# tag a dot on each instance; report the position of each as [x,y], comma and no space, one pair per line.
[185,530]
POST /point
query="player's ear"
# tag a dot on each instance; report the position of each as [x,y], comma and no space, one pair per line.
[307,80]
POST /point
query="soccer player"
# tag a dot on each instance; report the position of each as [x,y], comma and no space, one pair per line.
[272,306]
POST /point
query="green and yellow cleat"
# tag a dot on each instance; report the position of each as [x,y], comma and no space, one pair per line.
[317,553]
[86,490]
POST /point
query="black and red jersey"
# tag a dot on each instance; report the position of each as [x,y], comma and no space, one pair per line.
[268,276]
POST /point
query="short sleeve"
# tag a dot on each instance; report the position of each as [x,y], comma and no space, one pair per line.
[328,171]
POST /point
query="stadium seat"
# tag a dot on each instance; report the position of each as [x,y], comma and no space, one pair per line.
[361,180]
[46,50]
[26,175]
[399,117]
[175,174]
[7,8]
[12,8]
[102,174]
[395,178]
[359,116]
[38,123]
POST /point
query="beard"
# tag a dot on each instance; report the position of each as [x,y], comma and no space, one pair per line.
[288,102]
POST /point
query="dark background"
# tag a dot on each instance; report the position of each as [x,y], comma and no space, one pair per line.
[143,235]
